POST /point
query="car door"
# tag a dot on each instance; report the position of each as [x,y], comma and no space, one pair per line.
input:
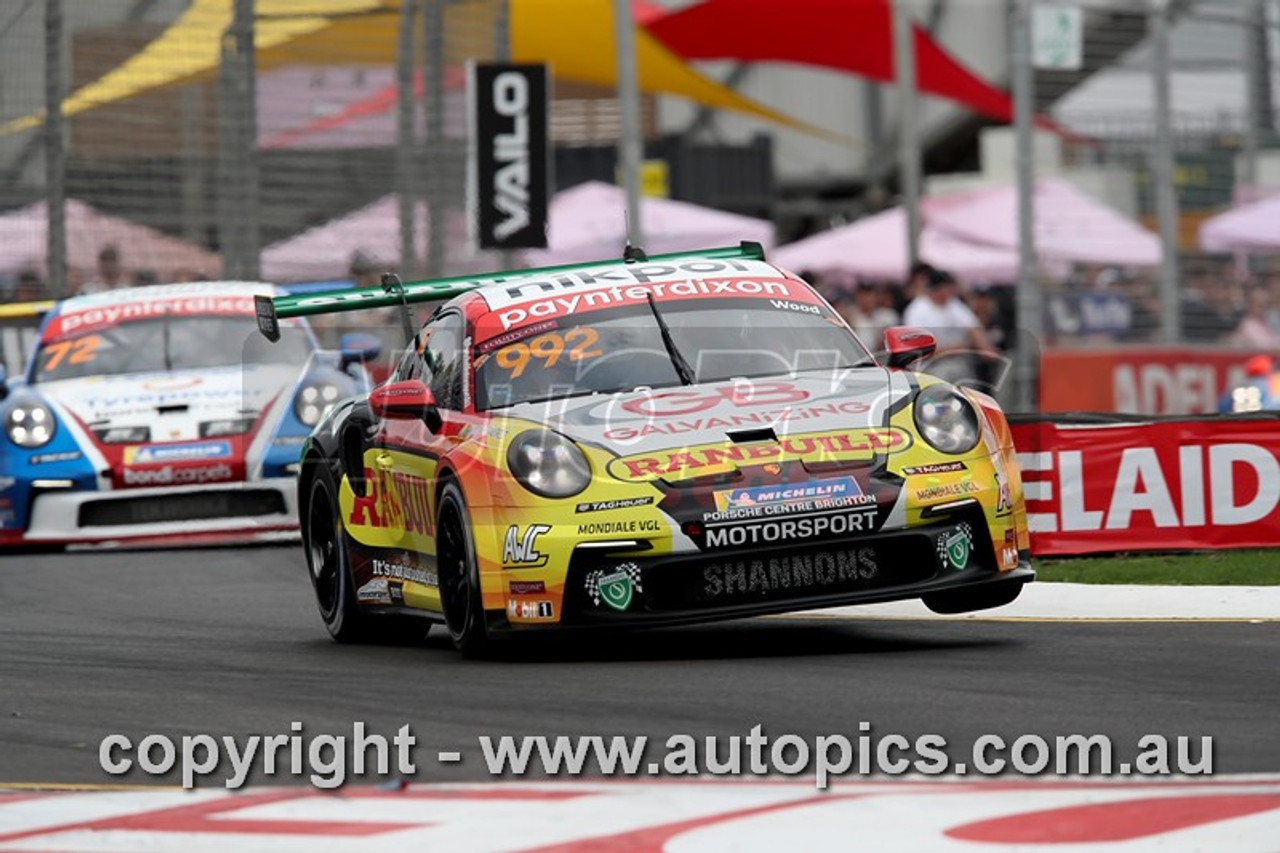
[407,452]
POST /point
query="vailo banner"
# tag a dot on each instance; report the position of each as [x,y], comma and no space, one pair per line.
[1162,485]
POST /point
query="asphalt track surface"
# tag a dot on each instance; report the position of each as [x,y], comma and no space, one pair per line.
[227,642]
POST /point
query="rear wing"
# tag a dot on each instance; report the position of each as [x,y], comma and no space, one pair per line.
[20,311]
[270,310]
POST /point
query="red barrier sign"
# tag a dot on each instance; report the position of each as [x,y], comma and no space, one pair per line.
[1140,380]
[1154,486]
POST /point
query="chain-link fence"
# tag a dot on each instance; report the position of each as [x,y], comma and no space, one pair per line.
[233,156]
[1222,129]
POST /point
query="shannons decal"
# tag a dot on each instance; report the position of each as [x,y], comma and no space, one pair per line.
[721,457]
[798,572]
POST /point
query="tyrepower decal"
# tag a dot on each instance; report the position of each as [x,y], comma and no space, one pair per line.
[721,457]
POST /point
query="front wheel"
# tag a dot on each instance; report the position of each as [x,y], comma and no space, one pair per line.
[459,575]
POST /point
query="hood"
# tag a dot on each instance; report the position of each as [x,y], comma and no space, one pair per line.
[741,412]
[172,404]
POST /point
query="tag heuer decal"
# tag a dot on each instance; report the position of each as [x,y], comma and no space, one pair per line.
[615,588]
[955,547]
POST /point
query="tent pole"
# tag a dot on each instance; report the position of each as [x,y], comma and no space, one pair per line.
[629,144]
[406,103]
[1162,174]
[1030,312]
[55,154]
[437,155]
[904,60]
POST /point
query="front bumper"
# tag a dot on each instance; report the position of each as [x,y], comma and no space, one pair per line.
[259,510]
[706,586]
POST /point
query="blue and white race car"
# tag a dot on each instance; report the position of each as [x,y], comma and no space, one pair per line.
[158,416]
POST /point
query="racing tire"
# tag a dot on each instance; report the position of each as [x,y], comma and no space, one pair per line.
[330,570]
[978,598]
[459,575]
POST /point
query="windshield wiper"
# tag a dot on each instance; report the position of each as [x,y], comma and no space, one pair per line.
[677,360]
[168,358]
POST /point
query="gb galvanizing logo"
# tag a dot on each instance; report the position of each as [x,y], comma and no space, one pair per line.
[955,548]
[615,588]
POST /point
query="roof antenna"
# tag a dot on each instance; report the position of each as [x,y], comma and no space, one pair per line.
[631,253]
[392,285]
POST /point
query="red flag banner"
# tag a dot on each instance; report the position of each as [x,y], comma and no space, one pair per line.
[843,35]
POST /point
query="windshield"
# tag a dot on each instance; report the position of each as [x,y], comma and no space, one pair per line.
[184,342]
[622,349]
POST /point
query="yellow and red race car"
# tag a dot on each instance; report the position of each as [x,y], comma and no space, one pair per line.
[653,441]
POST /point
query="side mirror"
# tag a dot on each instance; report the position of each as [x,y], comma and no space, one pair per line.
[358,348]
[907,345]
[404,400]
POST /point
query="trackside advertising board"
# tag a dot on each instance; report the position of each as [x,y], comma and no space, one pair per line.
[1139,380]
[1162,485]
[510,169]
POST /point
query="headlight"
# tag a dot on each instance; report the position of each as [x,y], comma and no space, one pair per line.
[29,424]
[548,464]
[313,401]
[946,419]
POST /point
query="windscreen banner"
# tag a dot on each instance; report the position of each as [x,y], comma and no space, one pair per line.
[1177,484]
[1139,380]
[510,165]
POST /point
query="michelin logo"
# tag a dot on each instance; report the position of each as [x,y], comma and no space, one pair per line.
[160,453]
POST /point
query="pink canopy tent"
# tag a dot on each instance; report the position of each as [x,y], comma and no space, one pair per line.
[1253,227]
[24,238]
[1070,226]
[588,223]
[325,251]
[875,248]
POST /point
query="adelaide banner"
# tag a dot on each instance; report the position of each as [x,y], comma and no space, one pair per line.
[1139,380]
[1172,484]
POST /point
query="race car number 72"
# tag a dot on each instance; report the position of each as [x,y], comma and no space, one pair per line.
[81,351]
